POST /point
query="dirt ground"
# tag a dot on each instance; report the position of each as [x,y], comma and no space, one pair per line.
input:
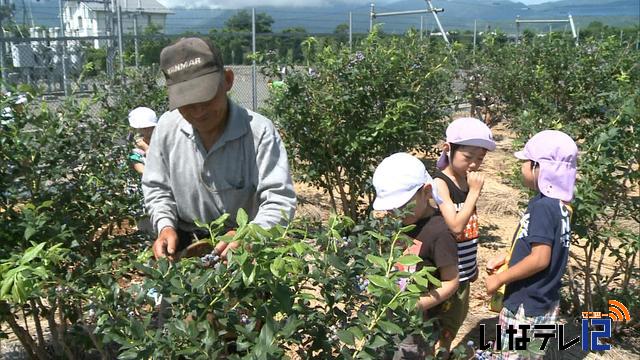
[499,212]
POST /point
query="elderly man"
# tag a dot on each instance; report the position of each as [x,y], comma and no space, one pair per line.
[210,156]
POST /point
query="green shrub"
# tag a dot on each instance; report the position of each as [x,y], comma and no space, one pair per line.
[344,114]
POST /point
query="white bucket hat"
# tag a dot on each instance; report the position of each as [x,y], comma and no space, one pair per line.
[142,117]
[397,179]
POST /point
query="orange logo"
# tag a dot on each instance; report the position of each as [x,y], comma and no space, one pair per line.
[617,312]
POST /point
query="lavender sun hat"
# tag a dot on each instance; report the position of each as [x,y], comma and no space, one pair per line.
[557,155]
[467,131]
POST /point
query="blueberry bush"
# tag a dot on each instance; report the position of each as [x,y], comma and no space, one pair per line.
[346,111]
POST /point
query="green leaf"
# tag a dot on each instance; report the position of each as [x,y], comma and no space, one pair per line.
[377,236]
[28,232]
[284,296]
[242,219]
[346,337]
[421,281]
[276,266]
[31,253]
[337,262]
[248,274]
[434,280]
[377,342]
[129,355]
[200,281]
[7,283]
[389,327]
[357,333]
[406,229]
[290,326]
[380,281]
[377,261]
[409,260]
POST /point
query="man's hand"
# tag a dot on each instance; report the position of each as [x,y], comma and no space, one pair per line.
[166,244]
[475,180]
[493,283]
[223,247]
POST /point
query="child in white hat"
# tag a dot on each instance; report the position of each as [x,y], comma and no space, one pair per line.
[144,120]
[401,181]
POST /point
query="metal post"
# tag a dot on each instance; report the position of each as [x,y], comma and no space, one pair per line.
[475,29]
[120,47]
[2,45]
[621,34]
[517,29]
[372,13]
[135,38]
[573,29]
[350,32]
[435,15]
[421,26]
[253,68]
[64,50]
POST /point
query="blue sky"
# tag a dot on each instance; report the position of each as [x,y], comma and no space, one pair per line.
[236,4]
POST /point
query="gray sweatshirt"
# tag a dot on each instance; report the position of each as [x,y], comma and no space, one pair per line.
[246,168]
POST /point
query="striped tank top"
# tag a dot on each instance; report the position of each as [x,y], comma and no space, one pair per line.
[468,239]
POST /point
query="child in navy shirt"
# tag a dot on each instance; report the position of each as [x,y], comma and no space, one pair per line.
[541,249]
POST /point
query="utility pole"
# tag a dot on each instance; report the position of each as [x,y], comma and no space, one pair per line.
[120,47]
[254,92]
[475,30]
[421,26]
[350,32]
[64,49]
[372,14]
[135,38]
[2,45]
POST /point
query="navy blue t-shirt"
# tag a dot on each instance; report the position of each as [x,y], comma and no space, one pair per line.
[546,221]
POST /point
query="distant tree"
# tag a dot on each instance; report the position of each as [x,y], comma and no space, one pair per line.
[342,33]
[241,21]
[290,49]
[528,35]
[152,44]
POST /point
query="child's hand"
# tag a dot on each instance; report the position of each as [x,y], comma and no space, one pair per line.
[475,181]
[495,263]
[141,144]
[493,283]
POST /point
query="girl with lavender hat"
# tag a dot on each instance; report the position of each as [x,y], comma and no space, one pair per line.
[459,182]
[541,243]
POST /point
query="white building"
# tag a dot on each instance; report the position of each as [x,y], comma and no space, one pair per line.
[90,18]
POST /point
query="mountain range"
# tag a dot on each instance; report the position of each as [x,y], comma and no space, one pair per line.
[458,14]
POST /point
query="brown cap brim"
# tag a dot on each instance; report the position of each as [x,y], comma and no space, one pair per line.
[200,89]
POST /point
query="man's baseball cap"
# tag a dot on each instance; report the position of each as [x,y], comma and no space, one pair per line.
[193,69]
[397,179]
